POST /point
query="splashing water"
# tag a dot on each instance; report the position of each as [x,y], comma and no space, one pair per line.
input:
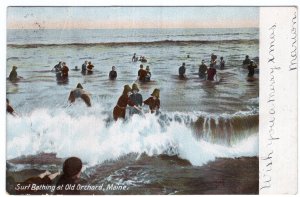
[89,137]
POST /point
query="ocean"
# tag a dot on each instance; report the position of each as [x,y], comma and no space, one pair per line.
[200,124]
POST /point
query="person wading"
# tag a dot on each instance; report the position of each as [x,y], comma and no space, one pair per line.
[113,73]
[153,101]
[90,67]
[124,100]
[181,71]
[213,58]
[211,73]
[134,58]
[13,75]
[64,70]
[142,73]
[251,68]
[148,76]
[246,60]
[83,67]
[137,98]
[57,67]
[202,70]
[78,92]
[222,63]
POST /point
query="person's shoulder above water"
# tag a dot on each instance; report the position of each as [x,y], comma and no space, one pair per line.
[113,73]
[13,75]
[247,60]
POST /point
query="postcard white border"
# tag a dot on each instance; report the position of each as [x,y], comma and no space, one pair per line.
[278,100]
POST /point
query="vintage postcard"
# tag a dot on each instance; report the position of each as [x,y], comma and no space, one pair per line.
[151,100]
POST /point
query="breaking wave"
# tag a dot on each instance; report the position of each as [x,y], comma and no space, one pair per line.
[197,137]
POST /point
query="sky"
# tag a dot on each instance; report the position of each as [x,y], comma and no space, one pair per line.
[131,17]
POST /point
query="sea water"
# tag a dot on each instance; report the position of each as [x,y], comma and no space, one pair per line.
[198,122]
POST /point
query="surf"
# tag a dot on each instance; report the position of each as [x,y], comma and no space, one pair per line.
[94,139]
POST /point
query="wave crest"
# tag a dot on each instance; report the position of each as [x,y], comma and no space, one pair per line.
[89,138]
[159,42]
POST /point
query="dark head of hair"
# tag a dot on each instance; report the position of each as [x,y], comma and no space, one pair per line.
[79,86]
[72,166]
[183,64]
[221,58]
[141,66]
[247,56]
[126,89]
[7,100]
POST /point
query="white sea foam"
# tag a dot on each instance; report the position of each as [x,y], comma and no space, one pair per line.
[88,137]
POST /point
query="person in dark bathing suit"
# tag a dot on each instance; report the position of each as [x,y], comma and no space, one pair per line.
[181,71]
[251,68]
[64,70]
[211,72]
[90,67]
[213,58]
[83,67]
[148,76]
[124,100]
[13,75]
[222,63]
[202,70]
[137,98]
[113,73]
[247,60]
[142,73]
[134,58]
[71,173]
[153,102]
[57,67]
